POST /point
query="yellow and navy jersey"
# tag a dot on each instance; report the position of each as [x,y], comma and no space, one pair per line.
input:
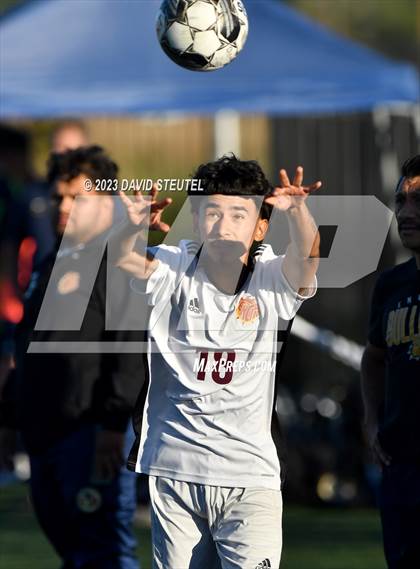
[395,327]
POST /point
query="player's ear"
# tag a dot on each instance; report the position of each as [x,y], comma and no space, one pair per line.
[261,229]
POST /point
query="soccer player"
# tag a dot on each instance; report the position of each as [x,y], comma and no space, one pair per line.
[390,383]
[205,438]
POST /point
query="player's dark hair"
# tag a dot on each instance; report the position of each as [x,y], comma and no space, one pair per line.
[92,161]
[411,167]
[230,176]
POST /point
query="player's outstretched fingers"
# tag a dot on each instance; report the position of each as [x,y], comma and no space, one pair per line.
[160,206]
[298,179]
[154,192]
[312,187]
[136,210]
[284,178]
[164,227]
[134,204]
[126,201]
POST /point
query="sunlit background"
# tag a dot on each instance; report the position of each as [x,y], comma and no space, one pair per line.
[330,522]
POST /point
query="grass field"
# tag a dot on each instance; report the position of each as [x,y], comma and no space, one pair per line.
[313,538]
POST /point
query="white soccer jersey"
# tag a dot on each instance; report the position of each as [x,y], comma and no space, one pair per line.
[212,358]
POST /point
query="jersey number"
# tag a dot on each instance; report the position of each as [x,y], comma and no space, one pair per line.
[221,368]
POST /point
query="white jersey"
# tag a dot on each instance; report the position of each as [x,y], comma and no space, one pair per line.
[212,358]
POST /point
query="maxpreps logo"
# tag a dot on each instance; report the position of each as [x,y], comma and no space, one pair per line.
[403,327]
[341,211]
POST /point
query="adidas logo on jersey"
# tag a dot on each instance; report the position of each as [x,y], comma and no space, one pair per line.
[264,252]
[194,306]
[264,564]
[192,247]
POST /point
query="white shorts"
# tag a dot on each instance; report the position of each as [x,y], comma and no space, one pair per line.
[196,526]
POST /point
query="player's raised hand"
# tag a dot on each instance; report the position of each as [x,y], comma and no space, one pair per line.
[291,194]
[143,209]
[156,210]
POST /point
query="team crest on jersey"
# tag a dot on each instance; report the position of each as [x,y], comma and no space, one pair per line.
[247,309]
[88,500]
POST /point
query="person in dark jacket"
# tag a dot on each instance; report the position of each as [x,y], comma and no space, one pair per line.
[72,403]
[390,382]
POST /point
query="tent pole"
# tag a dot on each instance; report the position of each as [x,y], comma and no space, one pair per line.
[227,133]
[388,161]
[388,164]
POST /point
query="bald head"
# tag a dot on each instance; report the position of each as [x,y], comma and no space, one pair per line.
[68,136]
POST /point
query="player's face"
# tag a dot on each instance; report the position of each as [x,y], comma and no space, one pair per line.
[407,210]
[228,225]
[80,214]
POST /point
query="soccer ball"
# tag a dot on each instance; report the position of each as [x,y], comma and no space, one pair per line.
[202,35]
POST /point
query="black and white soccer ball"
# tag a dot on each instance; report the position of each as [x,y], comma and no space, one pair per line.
[202,35]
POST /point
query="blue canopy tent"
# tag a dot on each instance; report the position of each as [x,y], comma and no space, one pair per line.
[101,57]
[62,58]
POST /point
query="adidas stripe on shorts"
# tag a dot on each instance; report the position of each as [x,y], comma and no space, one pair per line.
[196,526]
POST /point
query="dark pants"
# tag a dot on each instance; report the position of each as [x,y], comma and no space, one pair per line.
[400,513]
[88,524]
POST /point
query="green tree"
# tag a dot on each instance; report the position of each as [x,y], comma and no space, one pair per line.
[390,26]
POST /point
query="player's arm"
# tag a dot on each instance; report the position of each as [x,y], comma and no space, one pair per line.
[373,390]
[302,255]
[130,239]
